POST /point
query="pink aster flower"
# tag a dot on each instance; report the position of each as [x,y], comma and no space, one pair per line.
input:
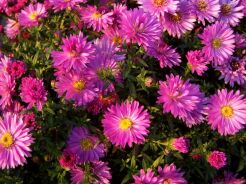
[179,22]
[146,177]
[243,3]
[76,87]
[77,176]
[67,160]
[16,69]
[30,121]
[7,88]
[14,6]
[114,35]
[217,159]
[181,144]
[140,27]
[75,53]
[231,12]
[4,63]
[101,171]
[170,174]
[167,56]
[118,11]
[159,7]
[12,28]
[3,5]
[206,10]
[126,123]
[15,141]
[33,92]
[229,178]
[226,112]
[58,5]
[98,20]
[197,62]
[85,145]
[31,15]
[219,42]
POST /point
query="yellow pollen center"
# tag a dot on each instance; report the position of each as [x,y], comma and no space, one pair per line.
[160,3]
[72,54]
[125,124]
[227,111]
[33,15]
[86,144]
[202,5]
[6,140]
[225,8]
[216,43]
[166,182]
[117,40]
[96,15]
[79,85]
[176,17]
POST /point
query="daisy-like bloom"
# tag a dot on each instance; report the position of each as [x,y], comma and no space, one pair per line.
[75,53]
[67,160]
[231,12]
[171,175]
[98,20]
[7,87]
[181,144]
[180,21]
[114,35]
[240,41]
[226,112]
[76,87]
[58,5]
[159,7]
[118,10]
[167,56]
[217,159]
[206,10]
[126,123]
[197,62]
[140,27]
[102,172]
[85,145]
[16,69]
[77,176]
[4,63]
[219,42]
[229,178]
[182,99]
[12,28]
[33,92]
[233,71]
[31,15]
[146,177]
[15,141]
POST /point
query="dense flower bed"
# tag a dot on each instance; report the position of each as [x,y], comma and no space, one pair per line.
[144,92]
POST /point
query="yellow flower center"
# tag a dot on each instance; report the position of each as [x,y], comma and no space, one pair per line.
[125,124]
[6,140]
[176,17]
[33,15]
[160,3]
[227,111]
[96,15]
[225,8]
[72,54]
[216,43]
[166,181]
[202,5]
[117,40]
[79,85]
[86,144]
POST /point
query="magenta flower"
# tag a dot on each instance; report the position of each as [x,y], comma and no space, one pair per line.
[77,176]
[140,27]
[240,41]
[118,11]
[64,4]
[67,160]
[16,69]
[12,28]
[219,42]
[217,159]
[179,22]
[15,141]
[30,121]
[229,178]
[14,6]
[33,92]
[226,112]
[114,35]
[167,56]
[85,145]
[7,88]
[102,172]
[170,174]
[197,62]
[231,12]
[181,144]
[146,177]
[4,63]
[3,5]
[75,53]
[31,15]
[126,123]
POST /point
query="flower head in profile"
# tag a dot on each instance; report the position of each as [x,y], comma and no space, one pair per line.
[58,5]
[12,28]
[126,123]
[101,172]
[146,177]
[118,10]
[217,159]
[229,178]
[181,144]
[67,160]
[7,88]
[240,41]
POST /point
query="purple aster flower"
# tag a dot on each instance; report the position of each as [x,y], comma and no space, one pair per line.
[181,144]
[159,7]
[219,42]
[77,176]
[7,88]
[33,92]
[98,20]
[179,22]
[217,159]
[77,87]
[226,112]
[148,177]
[197,62]
[12,28]
[102,172]
[85,145]
[182,99]
[15,141]
[126,123]
[240,41]
[167,56]
[231,12]
[206,10]
[140,27]
[75,53]
[64,4]
[171,175]
[243,3]
[31,15]
[229,178]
